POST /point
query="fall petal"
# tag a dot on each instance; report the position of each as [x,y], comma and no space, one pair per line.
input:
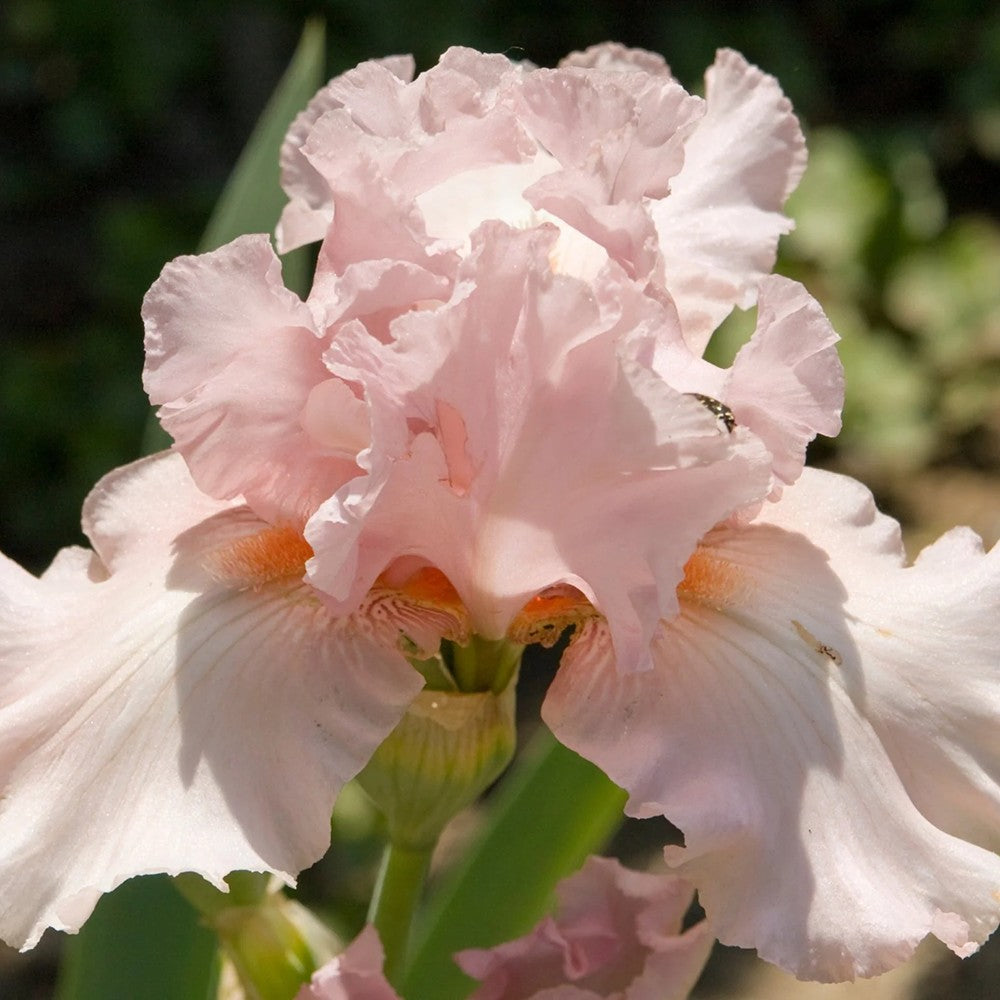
[931,634]
[160,714]
[775,731]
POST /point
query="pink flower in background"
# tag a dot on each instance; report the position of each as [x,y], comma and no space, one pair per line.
[355,974]
[616,935]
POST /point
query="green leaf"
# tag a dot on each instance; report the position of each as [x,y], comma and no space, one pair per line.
[551,812]
[144,942]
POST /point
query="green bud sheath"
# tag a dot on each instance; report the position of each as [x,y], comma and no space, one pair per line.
[273,943]
[449,747]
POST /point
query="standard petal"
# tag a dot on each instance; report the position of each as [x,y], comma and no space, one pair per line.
[615,57]
[510,422]
[720,224]
[178,713]
[309,210]
[821,723]
[618,138]
[214,324]
[787,383]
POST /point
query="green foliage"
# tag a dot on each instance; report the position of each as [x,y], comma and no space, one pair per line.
[915,297]
[143,942]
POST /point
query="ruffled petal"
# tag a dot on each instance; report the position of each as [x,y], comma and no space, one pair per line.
[186,705]
[355,974]
[786,385]
[309,211]
[508,423]
[674,189]
[931,635]
[719,227]
[214,324]
[451,123]
[821,723]
[616,934]
[616,57]
[619,140]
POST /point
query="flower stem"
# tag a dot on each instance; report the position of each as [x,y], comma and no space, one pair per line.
[397,892]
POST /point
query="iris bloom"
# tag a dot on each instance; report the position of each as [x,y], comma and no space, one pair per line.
[615,935]
[355,974]
[491,419]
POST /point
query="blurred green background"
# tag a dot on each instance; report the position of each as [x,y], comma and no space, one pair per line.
[119,124]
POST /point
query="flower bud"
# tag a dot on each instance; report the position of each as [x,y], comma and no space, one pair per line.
[272,943]
[448,748]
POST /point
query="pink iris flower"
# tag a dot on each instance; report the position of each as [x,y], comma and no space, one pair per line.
[616,935]
[492,416]
[355,974]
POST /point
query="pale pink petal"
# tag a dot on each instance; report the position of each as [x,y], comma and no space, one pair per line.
[613,56]
[682,191]
[375,291]
[406,139]
[719,227]
[931,634]
[619,139]
[376,222]
[786,385]
[355,974]
[168,708]
[615,934]
[806,707]
[309,210]
[231,357]
[509,422]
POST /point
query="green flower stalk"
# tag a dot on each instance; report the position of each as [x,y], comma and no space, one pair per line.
[449,747]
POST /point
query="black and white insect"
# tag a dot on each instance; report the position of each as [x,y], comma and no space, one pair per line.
[718,408]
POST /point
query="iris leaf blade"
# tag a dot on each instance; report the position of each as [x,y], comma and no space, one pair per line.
[144,942]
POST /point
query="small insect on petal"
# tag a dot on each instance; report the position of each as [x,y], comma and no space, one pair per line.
[820,647]
[717,408]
